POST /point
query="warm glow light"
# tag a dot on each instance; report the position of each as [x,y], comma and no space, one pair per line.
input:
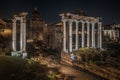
[79,32]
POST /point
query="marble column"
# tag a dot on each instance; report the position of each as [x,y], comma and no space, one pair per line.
[14,35]
[100,26]
[70,36]
[114,34]
[76,35]
[93,35]
[98,46]
[88,34]
[21,33]
[110,32]
[64,35]
[83,35]
[117,34]
[24,33]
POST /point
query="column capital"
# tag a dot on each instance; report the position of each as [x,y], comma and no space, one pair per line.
[14,20]
[83,21]
[76,21]
[88,22]
[23,14]
[93,23]
[63,20]
[70,21]
[21,19]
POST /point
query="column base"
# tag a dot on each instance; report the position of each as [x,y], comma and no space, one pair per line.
[24,55]
[16,53]
[19,54]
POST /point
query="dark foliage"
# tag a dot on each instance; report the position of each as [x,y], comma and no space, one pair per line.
[14,68]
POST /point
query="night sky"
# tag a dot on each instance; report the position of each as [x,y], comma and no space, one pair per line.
[109,10]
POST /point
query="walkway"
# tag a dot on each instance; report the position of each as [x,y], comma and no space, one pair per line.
[69,71]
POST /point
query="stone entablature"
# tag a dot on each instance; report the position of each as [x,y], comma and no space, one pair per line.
[75,17]
[115,26]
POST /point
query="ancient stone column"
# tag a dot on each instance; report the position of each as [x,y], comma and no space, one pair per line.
[88,34]
[21,33]
[98,36]
[14,35]
[76,35]
[83,35]
[23,30]
[24,33]
[64,35]
[70,36]
[118,34]
[114,34]
[100,27]
[93,35]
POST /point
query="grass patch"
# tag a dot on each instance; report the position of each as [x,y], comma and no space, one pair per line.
[14,68]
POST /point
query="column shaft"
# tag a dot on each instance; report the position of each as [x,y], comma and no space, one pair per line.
[14,36]
[88,35]
[70,36]
[64,35]
[24,40]
[76,35]
[83,35]
[100,25]
[117,34]
[21,33]
[98,36]
[93,35]
[114,34]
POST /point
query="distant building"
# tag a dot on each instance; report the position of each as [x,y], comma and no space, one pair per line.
[110,34]
[116,27]
[38,27]
[55,35]
[5,30]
